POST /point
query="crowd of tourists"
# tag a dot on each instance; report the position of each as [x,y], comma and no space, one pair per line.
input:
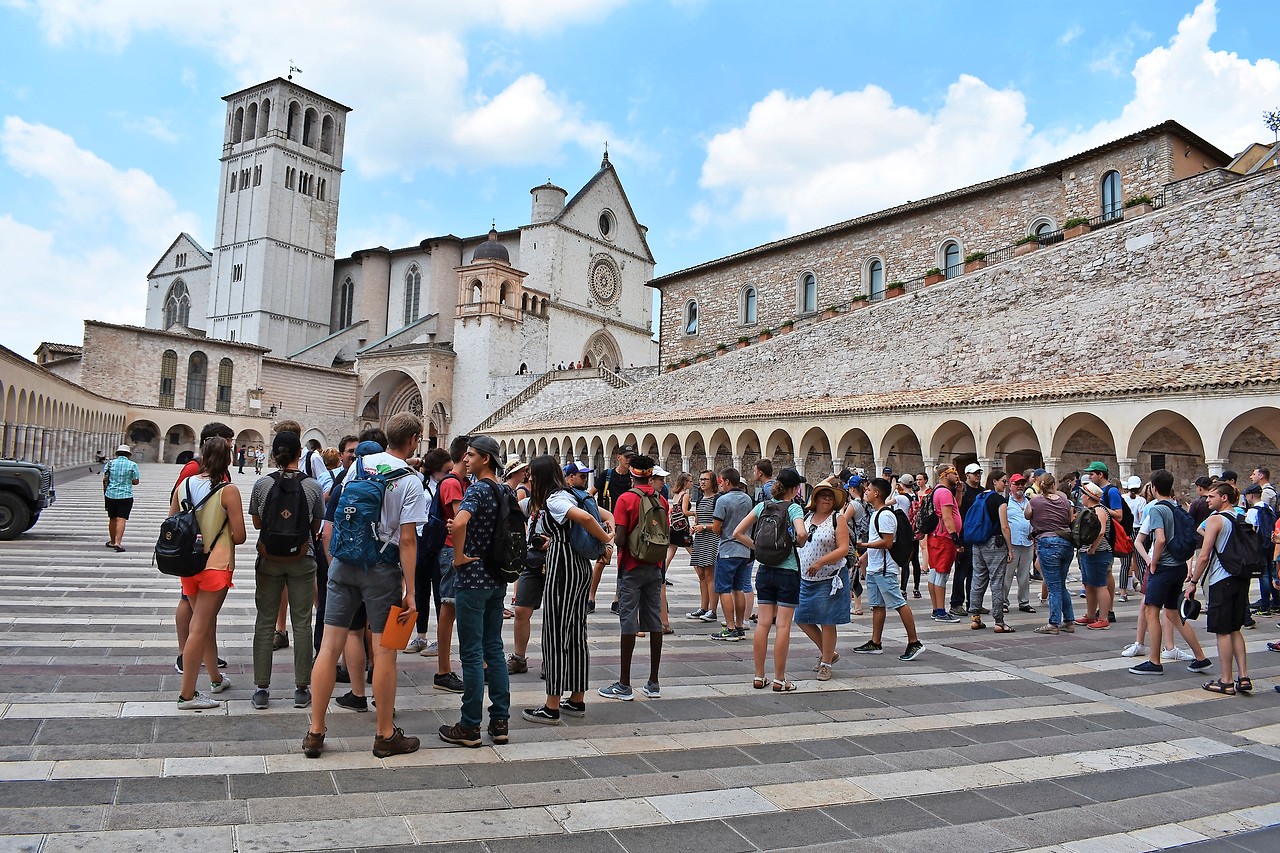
[367,550]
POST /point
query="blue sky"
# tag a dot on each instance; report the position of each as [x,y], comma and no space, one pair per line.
[729,124]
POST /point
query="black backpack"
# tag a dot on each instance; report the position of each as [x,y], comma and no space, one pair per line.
[180,549]
[1242,556]
[773,534]
[286,516]
[927,515]
[1085,528]
[435,529]
[506,554]
[903,542]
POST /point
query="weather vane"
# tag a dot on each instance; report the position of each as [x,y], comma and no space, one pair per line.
[293,68]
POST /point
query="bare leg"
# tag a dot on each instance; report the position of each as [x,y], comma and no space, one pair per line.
[1188,634]
[730,611]
[325,671]
[909,623]
[828,645]
[814,634]
[521,630]
[760,643]
[1152,614]
[204,613]
[877,623]
[1226,656]
[384,686]
[444,637]
[782,642]
[353,654]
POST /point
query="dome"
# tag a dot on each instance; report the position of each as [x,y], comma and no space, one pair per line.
[491,250]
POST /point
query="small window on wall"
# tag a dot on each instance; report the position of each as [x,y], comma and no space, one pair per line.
[168,377]
[808,293]
[951,264]
[1112,204]
[225,371]
[875,279]
[691,317]
[749,306]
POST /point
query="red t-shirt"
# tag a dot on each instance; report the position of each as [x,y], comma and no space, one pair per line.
[944,503]
[190,470]
[451,492]
[626,513]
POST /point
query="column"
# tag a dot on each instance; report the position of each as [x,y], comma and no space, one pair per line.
[987,465]
[836,465]
[685,465]
[1217,466]
[737,464]
[799,465]
[1051,464]
[930,467]
[1126,468]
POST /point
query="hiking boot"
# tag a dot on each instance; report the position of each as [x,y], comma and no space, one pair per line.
[312,744]
[447,681]
[914,650]
[498,732]
[460,735]
[544,715]
[279,641]
[869,648]
[516,665]
[398,743]
[353,702]
[573,709]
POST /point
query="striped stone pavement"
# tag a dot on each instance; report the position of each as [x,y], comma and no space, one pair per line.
[985,742]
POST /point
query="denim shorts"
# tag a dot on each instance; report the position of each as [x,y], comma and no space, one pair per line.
[733,574]
[349,586]
[780,587]
[1094,568]
[884,591]
[448,576]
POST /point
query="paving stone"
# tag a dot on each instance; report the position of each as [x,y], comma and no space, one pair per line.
[587,842]
[161,815]
[962,807]
[614,765]
[684,838]
[833,748]
[1244,764]
[1044,796]
[253,786]
[71,792]
[396,778]
[965,837]
[909,741]
[1121,784]
[873,820]
[698,759]
[532,771]
[15,732]
[86,731]
[779,831]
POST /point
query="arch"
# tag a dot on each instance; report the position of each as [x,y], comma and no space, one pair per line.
[437,424]
[747,448]
[780,449]
[327,129]
[179,444]
[237,125]
[595,453]
[249,437]
[143,438]
[1081,438]
[520,448]
[376,395]
[953,441]
[581,448]
[197,375]
[815,451]
[293,126]
[177,305]
[695,450]
[251,121]
[168,378]
[951,262]
[543,310]
[346,302]
[1171,435]
[1075,422]
[690,315]
[748,308]
[900,449]
[719,450]
[1263,428]
[1042,225]
[225,372]
[503,290]
[316,434]
[1110,195]
[309,122]
[855,450]
[807,292]
[602,350]
[524,303]
[264,117]
[477,293]
[554,448]
[1013,441]
[649,447]
[873,275]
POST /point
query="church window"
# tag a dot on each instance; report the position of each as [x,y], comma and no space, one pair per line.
[476,293]
[1042,226]
[606,224]
[808,293]
[289,172]
[244,179]
[749,306]
[320,189]
[257,175]
[1111,202]
[225,369]
[524,303]
[691,317]
[251,121]
[346,301]
[412,294]
[180,260]
[237,125]
[237,272]
[309,128]
[326,134]
[951,264]
[293,128]
[177,305]
[168,377]
[875,279]
[197,373]
[231,185]
[502,293]
[264,117]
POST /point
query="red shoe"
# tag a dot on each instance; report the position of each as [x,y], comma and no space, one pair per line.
[1100,625]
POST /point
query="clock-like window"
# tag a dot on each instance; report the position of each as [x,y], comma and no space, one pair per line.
[606,280]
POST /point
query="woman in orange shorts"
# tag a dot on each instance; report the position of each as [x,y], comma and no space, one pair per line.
[222,526]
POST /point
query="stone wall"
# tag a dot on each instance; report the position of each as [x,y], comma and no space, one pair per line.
[315,397]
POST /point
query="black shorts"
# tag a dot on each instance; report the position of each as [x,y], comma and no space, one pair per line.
[778,586]
[529,588]
[1228,605]
[1165,587]
[119,507]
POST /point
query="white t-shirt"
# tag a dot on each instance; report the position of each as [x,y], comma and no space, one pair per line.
[883,523]
[312,463]
[558,505]
[1137,506]
[404,501]
[904,502]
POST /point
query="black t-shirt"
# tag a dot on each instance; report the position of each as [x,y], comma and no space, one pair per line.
[609,485]
[967,498]
[1199,510]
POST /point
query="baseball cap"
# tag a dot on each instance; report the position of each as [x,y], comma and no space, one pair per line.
[973,468]
[1190,609]
[789,478]
[1098,468]
[487,446]
[854,482]
[1016,478]
[1135,482]
[625,450]
[286,441]
[659,471]
[1253,489]
[574,468]
[908,481]
[886,470]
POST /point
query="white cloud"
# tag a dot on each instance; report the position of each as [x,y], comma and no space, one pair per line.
[526,124]
[411,53]
[1072,33]
[810,161]
[156,128]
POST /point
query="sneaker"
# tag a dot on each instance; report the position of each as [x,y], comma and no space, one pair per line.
[982,611]
[1250,623]
[260,698]
[1100,625]
[959,611]
[302,697]
[343,675]
[1147,668]
[220,686]
[1085,620]
[498,732]
[915,594]
[447,681]
[1133,650]
[516,665]
[591,606]
[697,614]
[416,645]
[755,618]
[617,690]
[312,744]
[1176,654]
[727,635]
[432,650]
[398,743]
[947,616]
[741,632]
[651,690]
[460,735]
[280,641]
[869,648]
[1123,598]
[573,709]
[1200,665]
[1111,616]
[353,702]
[709,616]
[197,702]
[544,715]
[614,608]
[824,672]
[914,650]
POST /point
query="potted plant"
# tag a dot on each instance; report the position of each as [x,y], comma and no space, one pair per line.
[674,365]
[933,275]
[765,334]
[975,261]
[861,297]
[895,288]
[1139,205]
[701,357]
[685,362]
[722,348]
[1074,227]
[787,327]
[1026,245]
[743,341]
[831,311]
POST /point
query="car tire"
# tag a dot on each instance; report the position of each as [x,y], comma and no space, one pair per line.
[14,516]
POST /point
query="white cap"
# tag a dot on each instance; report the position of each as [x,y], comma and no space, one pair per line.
[659,471]
[1134,482]
[973,468]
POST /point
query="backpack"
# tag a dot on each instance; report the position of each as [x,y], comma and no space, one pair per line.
[977,521]
[286,517]
[1242,556]
[1121,533]
[356,540]
[1085,528]
[926,520]
[773,534]
[1181,542]
[509,547]
[648,540]
[581,541]
[903,545]
[1266,525]
[180,549]
[435,529]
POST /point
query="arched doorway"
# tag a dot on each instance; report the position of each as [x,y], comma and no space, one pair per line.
[179,444]
[143,437]
[602,351]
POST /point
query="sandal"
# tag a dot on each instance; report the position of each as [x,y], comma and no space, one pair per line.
[759,682]
[857,613]
[1221,687]
[784,686]
[667,629]
[1002,628]
[1244,684]
[977,624]
[507,613]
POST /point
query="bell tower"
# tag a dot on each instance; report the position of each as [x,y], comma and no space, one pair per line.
[272,276]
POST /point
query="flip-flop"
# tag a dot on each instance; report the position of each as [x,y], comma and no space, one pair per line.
[1220,687]
[1004,629]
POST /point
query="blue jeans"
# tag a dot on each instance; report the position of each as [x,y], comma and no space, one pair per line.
[1055,559]
[1268,596]
[479,614]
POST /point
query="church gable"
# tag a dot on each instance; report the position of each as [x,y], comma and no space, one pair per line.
[602,211]
[184,253]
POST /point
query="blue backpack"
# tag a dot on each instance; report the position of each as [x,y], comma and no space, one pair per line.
[977,521]
[1266,526]
[1183,540]
[580,540]
[356,540]
[435,529]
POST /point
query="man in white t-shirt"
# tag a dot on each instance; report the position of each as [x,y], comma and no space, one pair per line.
[883,591]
